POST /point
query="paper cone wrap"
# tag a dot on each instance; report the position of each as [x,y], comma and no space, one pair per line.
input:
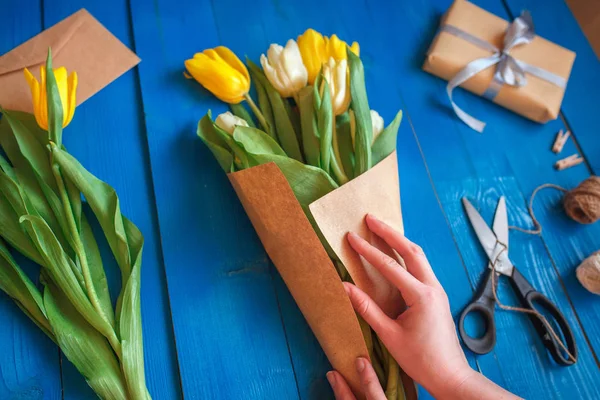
[308,272]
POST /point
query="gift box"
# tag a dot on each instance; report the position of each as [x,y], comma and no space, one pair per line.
[305,265]
[504,62]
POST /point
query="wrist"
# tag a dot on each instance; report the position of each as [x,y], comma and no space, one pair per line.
[449,386]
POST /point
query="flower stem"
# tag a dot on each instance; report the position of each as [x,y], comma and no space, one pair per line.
[336,160]
[256,110]
[80,252]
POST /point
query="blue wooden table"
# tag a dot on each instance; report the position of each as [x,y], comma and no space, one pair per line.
[218,321]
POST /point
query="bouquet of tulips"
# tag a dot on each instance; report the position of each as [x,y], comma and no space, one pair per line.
[308,149]
[41,217]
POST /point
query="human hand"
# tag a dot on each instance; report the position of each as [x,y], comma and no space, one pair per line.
[423,338]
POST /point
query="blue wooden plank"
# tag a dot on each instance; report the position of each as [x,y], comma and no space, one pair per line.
[555,22]
[518,346]
[229,333]
[510,144]
[29,361]
[108,137]
[276,23]
[569,243]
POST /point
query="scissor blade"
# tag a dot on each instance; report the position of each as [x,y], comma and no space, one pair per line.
[482,230]
[500,226]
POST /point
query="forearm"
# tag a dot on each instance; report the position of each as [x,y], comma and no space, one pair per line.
[472,386]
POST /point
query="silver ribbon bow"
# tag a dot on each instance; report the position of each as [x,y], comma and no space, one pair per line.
[509,70]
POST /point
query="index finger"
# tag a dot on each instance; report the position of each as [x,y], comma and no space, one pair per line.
[413,255]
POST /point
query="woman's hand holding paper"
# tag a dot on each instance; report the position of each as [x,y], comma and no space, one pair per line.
[423,338]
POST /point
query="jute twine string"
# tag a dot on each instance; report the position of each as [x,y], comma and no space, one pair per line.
[532,311]
[582,204]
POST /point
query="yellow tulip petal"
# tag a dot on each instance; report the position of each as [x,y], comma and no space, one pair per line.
[34,85]
[312,47]
[60,75]
[71,99]
[43,107]
[220,79]
[231,59]
[337,48]
[355,48]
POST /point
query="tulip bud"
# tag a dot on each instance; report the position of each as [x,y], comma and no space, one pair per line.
[67,87]
[220,72]
[284,68]
[336,75]
[227,121]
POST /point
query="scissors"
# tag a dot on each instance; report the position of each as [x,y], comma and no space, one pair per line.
[495,244]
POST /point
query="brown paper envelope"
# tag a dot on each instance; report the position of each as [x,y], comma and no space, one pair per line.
[539,100]
[79,43]
[343,210]
[301,259]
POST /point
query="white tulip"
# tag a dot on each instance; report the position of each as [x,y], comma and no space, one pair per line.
[284,68]
[227,121]
[377,125]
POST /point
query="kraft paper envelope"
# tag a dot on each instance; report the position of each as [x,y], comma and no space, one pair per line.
[303,263]
[79,43]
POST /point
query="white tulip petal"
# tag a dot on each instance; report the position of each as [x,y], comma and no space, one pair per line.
[227,121]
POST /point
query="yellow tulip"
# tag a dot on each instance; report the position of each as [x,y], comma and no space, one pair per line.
[317,49]
[67,87]
[312,47]
[336,48]
[220,72]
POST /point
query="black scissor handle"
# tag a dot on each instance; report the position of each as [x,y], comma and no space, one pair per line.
[530,298]
[484,304]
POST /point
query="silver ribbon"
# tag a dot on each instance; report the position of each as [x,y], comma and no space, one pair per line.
[509,70]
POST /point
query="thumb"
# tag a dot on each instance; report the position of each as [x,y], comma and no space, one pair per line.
[369,380]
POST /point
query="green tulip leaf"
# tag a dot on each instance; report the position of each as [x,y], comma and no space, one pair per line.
[55,109]
[264,104]
[215,143]
[17,285]
[325,126]
[284,127]
[84,346]
[309,129]
[344,138]
[385,143]
[362,112]
[255,141]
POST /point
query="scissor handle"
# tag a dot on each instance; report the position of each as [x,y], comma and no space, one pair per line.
[484,304]
[530,298]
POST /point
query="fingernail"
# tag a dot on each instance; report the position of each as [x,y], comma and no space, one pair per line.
[347,287]
[352,235]
[360,364]
[331,378]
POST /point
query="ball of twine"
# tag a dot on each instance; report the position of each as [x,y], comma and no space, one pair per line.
[582,204]
[588,273]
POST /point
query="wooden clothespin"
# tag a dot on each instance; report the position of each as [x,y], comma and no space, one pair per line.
[561,139]
[568,162]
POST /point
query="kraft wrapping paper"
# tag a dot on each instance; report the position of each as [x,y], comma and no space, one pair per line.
[539,100]
[304,265]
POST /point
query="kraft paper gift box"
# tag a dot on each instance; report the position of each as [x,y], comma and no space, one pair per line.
[304,264]
[539,100]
